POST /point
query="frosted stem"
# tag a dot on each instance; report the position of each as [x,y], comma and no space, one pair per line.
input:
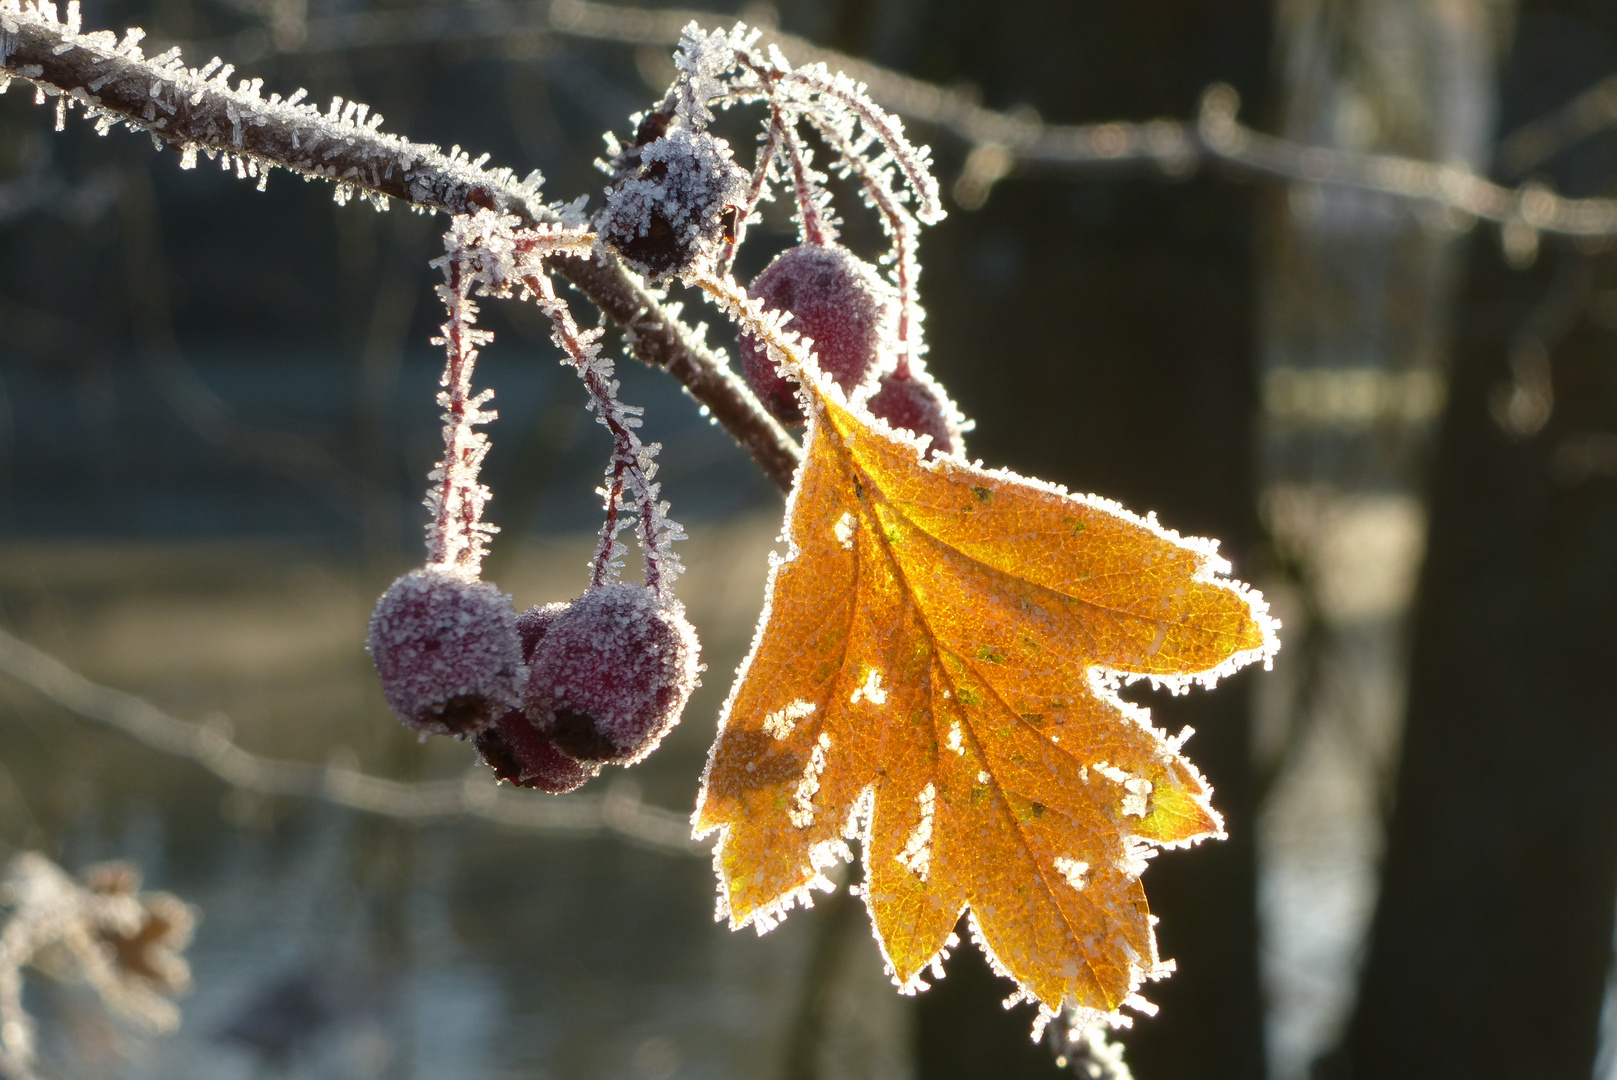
[816,229]
[457,535]
[630,468]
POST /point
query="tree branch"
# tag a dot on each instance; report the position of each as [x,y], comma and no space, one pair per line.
[618,811]
[197,111]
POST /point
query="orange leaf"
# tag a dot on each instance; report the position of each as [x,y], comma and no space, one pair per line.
[935,675]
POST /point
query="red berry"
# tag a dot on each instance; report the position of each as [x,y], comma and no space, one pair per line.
[448,652]
[519,752]
[612,674]
[833,298]
[916,404]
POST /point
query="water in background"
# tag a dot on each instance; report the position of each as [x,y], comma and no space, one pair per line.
[334,944]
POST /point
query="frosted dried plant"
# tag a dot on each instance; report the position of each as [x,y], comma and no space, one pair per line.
[101,930]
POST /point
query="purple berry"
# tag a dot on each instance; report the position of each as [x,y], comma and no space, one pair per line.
[668,215]
[834,299]
[916,404]
[519,752]
[448,651]
[612,674]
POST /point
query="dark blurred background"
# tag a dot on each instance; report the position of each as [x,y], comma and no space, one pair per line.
[216,412]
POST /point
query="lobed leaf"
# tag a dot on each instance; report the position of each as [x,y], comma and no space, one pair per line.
[935,675]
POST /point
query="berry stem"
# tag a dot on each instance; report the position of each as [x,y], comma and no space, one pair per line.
[631,467]
[457,535]
[816,229]
[901,228]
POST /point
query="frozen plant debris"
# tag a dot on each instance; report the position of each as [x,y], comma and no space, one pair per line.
[124,943]
[669,218]
[612,674]
[447,649]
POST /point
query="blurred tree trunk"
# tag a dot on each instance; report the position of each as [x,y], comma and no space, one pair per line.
[1492,936]
[1100,331]
[1357,303]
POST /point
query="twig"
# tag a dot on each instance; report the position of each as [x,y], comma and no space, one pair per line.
[1012,139]
[619,811]
[196,111]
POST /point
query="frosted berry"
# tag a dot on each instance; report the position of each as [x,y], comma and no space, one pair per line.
[667,217]
[612,674]
[835,299]
[532,624]
[916,405]
[447,648]
[519,752]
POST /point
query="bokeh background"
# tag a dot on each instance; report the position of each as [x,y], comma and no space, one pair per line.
[216,413]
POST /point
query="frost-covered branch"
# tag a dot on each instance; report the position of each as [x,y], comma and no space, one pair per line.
[124,943]
[197,112]
[1003,141]
[211,746]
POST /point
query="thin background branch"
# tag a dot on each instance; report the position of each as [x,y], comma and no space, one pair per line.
[619,811]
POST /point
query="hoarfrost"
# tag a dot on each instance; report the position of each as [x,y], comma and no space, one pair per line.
[801,811]
[779,724]
[871,690]
[917,854]
[1076,871]
[844,530]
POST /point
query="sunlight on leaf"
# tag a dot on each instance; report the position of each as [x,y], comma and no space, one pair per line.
[935,675]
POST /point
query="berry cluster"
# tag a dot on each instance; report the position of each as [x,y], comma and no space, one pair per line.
[552,695]
[678,207]
[548,696]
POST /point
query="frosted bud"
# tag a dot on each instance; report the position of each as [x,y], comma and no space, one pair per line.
[668,217]
[612,674]
[917,406]
[447,648]
[519,752]
[835,299]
